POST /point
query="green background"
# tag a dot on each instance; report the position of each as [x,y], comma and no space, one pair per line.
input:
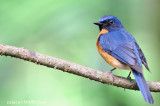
[65,29]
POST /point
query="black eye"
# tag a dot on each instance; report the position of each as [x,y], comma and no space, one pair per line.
[111,22]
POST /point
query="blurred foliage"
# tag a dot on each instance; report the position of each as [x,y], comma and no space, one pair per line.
[64,29]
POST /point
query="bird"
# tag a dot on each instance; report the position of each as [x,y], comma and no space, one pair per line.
[120,50]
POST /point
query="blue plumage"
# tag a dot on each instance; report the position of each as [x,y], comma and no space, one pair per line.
[121,45]
[143,86]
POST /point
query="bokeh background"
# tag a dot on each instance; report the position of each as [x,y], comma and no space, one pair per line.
[65,29]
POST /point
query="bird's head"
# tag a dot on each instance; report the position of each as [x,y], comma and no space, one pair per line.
[109,22]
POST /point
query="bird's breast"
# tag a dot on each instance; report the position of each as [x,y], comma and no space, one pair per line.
[107,57]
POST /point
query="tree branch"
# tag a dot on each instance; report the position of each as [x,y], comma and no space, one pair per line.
[73,68]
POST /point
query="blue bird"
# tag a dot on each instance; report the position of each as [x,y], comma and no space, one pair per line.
[120,49]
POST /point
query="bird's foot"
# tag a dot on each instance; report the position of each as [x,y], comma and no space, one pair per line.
[111,74]
[110,71]
[128,77]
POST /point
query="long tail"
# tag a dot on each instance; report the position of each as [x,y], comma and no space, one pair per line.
[143,86]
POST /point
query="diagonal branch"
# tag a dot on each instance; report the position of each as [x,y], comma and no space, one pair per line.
[73,68]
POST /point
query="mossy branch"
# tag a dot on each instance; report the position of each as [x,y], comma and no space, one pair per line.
[52,62]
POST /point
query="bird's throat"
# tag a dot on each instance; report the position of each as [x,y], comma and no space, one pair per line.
[103,31]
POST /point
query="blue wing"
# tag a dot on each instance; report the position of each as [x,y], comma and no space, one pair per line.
[121,45]
[144,61]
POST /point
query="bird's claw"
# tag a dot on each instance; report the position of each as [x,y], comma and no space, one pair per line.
[110,72]
[128,77]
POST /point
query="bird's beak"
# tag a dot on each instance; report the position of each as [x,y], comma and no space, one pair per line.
[97,23]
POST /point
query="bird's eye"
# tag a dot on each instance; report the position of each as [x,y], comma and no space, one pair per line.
[111,22]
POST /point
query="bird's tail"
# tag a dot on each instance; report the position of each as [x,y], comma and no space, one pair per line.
[143,86]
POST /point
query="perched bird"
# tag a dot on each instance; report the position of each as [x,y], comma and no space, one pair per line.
[120,49]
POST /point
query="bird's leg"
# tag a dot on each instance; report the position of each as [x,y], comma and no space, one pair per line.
[110,71]
[128,77]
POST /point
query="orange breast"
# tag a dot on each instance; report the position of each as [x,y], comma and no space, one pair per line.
[108,58]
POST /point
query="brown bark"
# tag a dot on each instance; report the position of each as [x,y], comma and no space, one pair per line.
[52,62]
